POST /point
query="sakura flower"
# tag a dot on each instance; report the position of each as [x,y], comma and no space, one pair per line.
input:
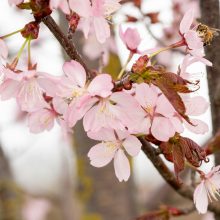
[207,190]
[189,60]
[160,116]
[26,88]
[118,111]
[94,16]
[62,4]
[15,2]
[131,38]
[80,95]
[3,49]
[192,40]
[113,147]
[41,120]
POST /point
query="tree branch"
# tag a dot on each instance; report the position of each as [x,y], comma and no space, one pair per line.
[66,44]
[183,190]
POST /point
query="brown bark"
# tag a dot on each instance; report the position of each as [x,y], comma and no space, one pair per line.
[210,16]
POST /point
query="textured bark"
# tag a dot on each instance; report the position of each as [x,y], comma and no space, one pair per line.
[210,16]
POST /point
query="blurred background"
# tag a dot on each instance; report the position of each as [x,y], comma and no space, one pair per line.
[44,176]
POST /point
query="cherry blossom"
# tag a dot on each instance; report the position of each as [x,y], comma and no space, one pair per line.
[95,15]
[113,147]
[41,120]
[160,116]
[112,112]
[131,38]
[26,88]
[207,190]
[79,94]
[192,40]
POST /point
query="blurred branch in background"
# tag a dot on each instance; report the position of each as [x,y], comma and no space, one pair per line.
[10,197]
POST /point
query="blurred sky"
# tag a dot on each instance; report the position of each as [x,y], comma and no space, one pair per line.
[41,157]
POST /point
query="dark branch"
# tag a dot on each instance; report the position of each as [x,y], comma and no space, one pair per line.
[183,190]
[66,44]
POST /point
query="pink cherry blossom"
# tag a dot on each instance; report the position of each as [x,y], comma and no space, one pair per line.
[207,190]
[160,116]
[26,88]
[192,40]
[16,2]
[189,60]
[94,16]
[113,147]
[131,38]
[62,4]
[41,120]
[118,111]
[79,94]
[3,49]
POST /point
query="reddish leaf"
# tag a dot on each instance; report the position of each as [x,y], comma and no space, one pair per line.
[178,158]
[172,95]
[166,148]
[193,152]
[155,215]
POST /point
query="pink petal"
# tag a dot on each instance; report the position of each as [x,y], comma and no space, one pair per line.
[193,40]
[146,95]
[75,72]
[59,105]
[198,127]
[102,135]
[83,8]
[3,49]
[130,37]
[9,88]
[177,124]
[85,25]
[200,198]
[122,166]
[101,85]
[48,83]
[100,155]
[162,129]
[102,29]
[196,106]
[132,145]
[64,6]
[186,21]
[41,120]
[164,107]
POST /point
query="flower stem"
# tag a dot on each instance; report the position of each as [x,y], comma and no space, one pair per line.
[22,48]
[172,46]
[12,33]
[29,53]
[124,67]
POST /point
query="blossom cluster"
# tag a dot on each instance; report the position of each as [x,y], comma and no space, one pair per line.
[155,103]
